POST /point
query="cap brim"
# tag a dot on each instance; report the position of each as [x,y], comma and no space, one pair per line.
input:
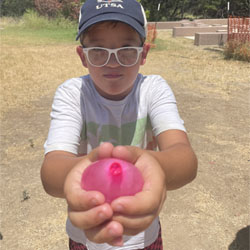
[113,17]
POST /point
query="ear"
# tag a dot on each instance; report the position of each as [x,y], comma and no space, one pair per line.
[82,56]
[146,48]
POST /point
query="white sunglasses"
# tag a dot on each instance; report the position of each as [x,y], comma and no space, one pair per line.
[125,56]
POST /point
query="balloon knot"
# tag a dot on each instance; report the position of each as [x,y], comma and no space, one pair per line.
[115,169]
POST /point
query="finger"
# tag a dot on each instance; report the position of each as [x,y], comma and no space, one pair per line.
[122,152]
[110,232]
[134,224]
[90,218]
[93,155]
[105,150]
[127,153]
[142,203]
[83,200]
[77,198]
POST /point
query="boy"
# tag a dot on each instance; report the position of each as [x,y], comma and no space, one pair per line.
[115,112]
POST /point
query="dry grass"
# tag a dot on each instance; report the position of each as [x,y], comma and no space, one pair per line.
[209,212]
[27,71]
[185,64]
[237,50]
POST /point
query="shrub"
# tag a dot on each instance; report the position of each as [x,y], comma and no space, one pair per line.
[237,50]
[71,8]
[32,20]
[49,8]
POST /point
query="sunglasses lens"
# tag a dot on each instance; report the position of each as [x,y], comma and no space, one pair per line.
[98,57]
[127,56]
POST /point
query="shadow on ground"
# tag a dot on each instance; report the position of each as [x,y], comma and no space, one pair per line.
[241,241]
[215,49]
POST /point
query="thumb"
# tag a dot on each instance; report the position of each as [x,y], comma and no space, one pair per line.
[127,153]
[101,152]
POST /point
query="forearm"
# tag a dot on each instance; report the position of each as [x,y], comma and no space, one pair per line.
[54,170]
[179,164]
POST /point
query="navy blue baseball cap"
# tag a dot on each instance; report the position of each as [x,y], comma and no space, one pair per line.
[130,12]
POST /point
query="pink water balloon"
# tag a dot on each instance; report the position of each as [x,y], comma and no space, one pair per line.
[113,178]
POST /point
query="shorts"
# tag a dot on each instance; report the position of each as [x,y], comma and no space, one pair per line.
[157,245]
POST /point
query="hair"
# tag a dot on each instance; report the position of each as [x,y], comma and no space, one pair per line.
[113,24]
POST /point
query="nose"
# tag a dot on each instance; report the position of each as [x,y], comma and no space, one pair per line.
[112,62]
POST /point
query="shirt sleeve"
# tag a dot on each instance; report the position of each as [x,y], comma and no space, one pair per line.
[163,111]
[66,118]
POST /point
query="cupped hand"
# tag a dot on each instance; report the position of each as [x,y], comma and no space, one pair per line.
[88,210]
[136,213]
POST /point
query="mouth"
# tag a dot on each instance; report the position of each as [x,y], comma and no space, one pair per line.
[112,75]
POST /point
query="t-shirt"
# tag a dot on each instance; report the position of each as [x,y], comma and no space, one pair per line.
[81,119]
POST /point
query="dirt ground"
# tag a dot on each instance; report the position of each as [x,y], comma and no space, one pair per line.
[211,213]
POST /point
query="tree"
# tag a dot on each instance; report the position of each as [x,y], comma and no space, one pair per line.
[15,7]
[207,8]
[49,8]
[240,8]
[177,9]
[169,9]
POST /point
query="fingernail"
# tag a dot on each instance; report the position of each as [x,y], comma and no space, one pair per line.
[94,202]
[117,242]
[111,232]
[102,216]
[118,208]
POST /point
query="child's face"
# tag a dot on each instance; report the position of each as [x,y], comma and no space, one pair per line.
[112,80]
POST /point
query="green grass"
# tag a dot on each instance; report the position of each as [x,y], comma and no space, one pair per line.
[15,35]
[34,29]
